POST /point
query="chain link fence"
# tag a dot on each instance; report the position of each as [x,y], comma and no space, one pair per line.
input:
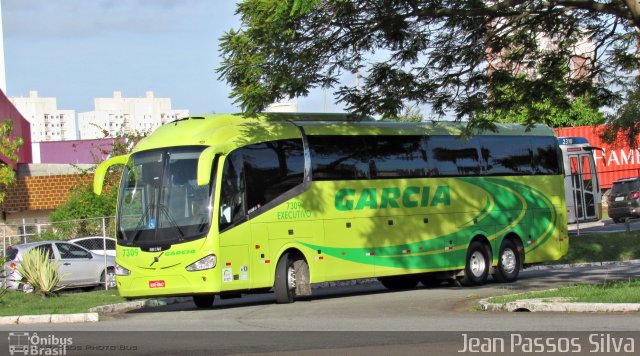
[95,235]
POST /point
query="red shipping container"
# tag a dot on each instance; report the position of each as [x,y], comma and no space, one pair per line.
[616,161]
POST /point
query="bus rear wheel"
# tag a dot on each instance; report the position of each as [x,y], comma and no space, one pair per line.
[203,300]
[509,263]
[476,269]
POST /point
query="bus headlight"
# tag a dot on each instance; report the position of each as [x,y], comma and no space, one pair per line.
[121,271]
[206,262]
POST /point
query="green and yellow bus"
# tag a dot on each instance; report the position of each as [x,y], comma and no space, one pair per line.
[225,205]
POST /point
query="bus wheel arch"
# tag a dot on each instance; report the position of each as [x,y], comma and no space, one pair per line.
[292,276]
[510,259]
[477,262]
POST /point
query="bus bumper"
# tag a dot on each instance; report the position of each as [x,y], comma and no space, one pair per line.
[140,285]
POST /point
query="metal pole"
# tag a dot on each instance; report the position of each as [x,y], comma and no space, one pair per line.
[24,230]
[104,247]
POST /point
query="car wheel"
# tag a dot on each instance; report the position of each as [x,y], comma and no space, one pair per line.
[25,288]
[109,278]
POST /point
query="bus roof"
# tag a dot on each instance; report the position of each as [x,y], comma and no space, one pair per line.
[230,131]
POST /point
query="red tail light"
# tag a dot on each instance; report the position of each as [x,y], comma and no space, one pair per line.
[635,195]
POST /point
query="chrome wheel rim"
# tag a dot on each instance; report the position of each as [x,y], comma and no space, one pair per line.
[291,278]
[111,280]
[508,260]
[477,264]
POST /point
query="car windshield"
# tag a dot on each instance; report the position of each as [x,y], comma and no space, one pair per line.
[160,201]
[624,187]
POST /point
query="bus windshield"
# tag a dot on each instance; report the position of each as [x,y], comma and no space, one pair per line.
[160,202]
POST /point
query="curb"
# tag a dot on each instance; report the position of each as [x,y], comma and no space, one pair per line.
[584,264]
[137,304]
[50,318]
[558,305]
[93,315]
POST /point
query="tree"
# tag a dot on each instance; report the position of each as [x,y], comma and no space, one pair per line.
[8,148]
[581,111]
[623,124]
[451,55]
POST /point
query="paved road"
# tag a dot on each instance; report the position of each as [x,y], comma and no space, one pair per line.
[363,319]
[603,226]
[370,307]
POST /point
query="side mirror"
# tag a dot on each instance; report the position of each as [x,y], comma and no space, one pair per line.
[205,164]
[101,171]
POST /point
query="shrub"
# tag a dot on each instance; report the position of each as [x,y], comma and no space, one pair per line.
[39,273]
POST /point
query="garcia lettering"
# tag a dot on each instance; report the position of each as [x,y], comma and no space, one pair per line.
[391,197]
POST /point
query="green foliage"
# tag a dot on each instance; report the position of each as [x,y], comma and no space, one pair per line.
[624,124]
[9,148]
[83,204]
[523,99]
[38,272]
[449,55]
[408,114]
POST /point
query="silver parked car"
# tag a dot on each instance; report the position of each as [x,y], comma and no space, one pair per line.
[97,244]
[78,266]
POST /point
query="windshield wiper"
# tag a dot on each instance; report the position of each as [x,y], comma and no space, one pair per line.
[140,223]
[163,209]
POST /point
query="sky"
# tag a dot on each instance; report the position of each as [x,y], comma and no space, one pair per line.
[77,50]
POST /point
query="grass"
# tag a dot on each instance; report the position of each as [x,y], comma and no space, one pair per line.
[618,246]
[612,292]
[18,303]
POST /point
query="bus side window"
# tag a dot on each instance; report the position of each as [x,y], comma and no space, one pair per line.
[505,155]
[232,208]
[546,155]
[271,169]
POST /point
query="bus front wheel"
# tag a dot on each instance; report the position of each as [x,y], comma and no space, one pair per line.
[284,286]
[203,300]
[509,263]
[476,269]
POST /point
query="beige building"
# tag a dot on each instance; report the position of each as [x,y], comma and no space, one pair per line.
[118,114]
[48,123]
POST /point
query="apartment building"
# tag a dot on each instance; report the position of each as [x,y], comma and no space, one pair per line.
[119,114]
[48,123]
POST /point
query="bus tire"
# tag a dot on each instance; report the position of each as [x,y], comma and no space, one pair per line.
[399,282]
[284,285]
[509,262]
[477,265]
[204,300]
